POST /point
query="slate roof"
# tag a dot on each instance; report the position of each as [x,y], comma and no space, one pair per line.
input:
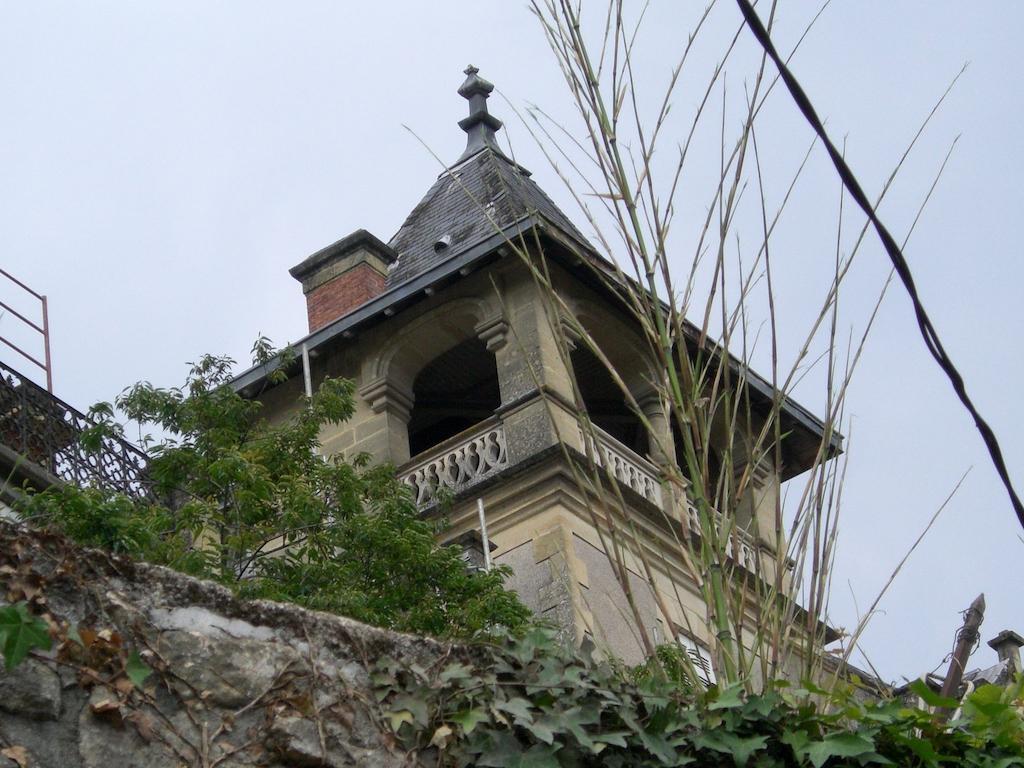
[480,196]
[1000,673]
[469,203]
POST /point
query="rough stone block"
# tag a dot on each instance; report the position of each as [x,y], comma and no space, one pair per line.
[226,671]
[31,689]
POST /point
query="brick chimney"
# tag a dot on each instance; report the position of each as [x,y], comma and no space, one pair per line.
[1008,644]
[343,276]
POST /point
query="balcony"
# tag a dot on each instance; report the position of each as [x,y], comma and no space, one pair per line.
[457,463]
[640,475]
[628,468]
[40,440]
[740,548]
[481,452]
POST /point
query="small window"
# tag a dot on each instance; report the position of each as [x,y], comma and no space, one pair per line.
[700,656]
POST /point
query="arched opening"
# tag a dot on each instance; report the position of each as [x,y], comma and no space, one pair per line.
[711,468]
[605,402]
[453,392]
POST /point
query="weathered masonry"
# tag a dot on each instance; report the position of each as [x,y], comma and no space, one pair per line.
[464,372]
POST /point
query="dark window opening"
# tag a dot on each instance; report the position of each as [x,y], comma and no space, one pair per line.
[712,471]
[455,391]
[605,402]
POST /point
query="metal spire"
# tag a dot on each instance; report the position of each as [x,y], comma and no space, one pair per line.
[481,125]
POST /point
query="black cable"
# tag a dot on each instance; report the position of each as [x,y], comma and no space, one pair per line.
[931,337]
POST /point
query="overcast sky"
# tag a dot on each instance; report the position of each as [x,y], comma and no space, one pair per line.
[163,164]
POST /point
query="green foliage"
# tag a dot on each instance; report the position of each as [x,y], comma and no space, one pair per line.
[534,702]
[21,632]
[254,506]
[136,670]
[672,663]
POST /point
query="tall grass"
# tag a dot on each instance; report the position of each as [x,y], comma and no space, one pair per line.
[705,304]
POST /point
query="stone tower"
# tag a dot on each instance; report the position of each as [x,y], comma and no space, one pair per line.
[464,370]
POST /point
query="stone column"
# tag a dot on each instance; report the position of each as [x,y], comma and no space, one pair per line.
[528,354]
[385,434]
[761,495]
[528,359]
[661,447]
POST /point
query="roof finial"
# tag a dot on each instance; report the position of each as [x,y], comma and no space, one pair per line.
[480,125]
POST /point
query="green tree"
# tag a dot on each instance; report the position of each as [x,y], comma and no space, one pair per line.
[254,506]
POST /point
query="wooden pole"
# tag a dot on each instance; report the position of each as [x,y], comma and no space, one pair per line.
[966,639]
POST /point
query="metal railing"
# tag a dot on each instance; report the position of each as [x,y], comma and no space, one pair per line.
[43,430]
[458,463]
[43,329]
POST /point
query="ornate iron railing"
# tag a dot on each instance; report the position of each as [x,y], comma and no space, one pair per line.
[458,463]
[45,431]
[628,468]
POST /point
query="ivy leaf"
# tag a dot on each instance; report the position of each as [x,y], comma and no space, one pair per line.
[920,747]
[573,720]
[469,719]
[797,741]
[415,706]
[441,737]
[730,698]
[20,632]
[543,730]
[1006,762]
[137,670]
[740,748]
[506,752]
[930,697]
[399,716]
[518,707]
[18,754]
[658,746]
[614,738]
[457,671]
[539,756]
[987,700]
[839,745]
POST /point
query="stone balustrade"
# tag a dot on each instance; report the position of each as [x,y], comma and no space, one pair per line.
[740,548]
[628,468]
[458,463]
[475,455]
[637,473]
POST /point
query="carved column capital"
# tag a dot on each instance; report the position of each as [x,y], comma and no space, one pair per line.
[493,332]
[761,468]
[651,403]
[572,334]
[384,396]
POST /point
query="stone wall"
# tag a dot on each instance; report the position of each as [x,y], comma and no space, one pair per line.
[231,683]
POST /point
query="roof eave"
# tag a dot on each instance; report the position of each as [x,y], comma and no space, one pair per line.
[790,407]
[375,308]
